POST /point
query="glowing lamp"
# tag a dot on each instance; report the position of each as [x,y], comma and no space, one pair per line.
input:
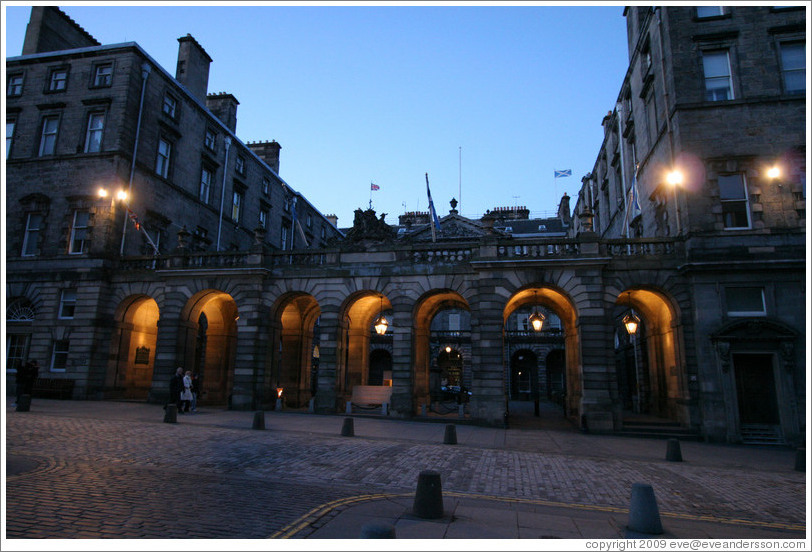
[631,322]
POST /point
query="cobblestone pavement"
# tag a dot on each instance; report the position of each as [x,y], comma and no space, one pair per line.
[98,477]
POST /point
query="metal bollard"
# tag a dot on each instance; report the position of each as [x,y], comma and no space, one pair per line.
[644,516]
[24,404]
[259,420]
[171,414]
[450,437]
[428,500]
[311,407]
[673,453]
[377,531]
[347,430]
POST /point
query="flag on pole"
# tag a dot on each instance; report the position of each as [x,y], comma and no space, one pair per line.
[374,187]
[633,210]
[563,173]
[133,218]
[431,205]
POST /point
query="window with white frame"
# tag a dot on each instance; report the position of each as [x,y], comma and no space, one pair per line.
[58,80]
[15,85]
[236,205]
[16,351]
[263,218]
[210,140]
[33,226]
[103,75]
[284,236]
[309,221]
[709,11]
[206,178]
[59,355]
[170,106]
[78,233]
[793,66]
[733,196]
[745,301]
[95,130]
[323,232]
[240,164]
[50,130]
[164,157]
[67,304]
[266,186]
[718,81]
[11,124]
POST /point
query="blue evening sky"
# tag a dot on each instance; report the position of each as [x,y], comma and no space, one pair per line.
[385,93]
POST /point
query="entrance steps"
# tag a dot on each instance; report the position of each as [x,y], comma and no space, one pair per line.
[657,428]
[762,434]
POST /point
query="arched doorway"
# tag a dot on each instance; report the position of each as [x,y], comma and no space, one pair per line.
[380,368]
[295,353]
[129,375]
[359,339]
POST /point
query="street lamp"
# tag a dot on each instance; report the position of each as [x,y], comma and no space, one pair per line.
[675,178]
[773,172]
[632,324]
[536,319]
[381,324]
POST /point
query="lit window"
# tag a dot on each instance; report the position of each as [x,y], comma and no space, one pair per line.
[745,301]
[793,64]
[205,185]
[50,129]
[59,356]
[67,303]
[718,84]
[33,226]
[164,156]
[103,75]
[236,206]
[169,106]
[733,195]
[709,11]
[58,81]
[15,85]
[95,129]
[10,125]
[78,232]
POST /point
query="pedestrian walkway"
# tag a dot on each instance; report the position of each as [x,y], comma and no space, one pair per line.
[550,481]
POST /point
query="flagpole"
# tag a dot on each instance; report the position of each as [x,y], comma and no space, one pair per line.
[460,171]
[431,211]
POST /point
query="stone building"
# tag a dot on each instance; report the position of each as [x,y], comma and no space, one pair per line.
[719,350]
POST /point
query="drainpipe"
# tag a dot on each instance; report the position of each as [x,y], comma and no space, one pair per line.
[619,109]
[145,70]
[223,191]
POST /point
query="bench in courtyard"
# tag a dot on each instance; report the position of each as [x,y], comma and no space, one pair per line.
[370,396]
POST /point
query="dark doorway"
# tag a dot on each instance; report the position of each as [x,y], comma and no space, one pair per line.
[755,388]
[524,375]
[380,365]
[556,376]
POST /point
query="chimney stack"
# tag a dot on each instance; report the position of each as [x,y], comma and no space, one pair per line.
[193,67]
[332,219]
[268,152]
[224,107]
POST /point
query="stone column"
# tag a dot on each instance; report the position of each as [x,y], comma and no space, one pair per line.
[597,399]
[168,354]
[488,402]
[403,404]
[251,361]
[329,351]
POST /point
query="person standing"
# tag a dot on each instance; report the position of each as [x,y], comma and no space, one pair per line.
[186,393]
[175,388]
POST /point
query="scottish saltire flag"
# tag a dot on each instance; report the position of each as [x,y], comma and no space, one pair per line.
[373,186]
[562,173]
[431,205]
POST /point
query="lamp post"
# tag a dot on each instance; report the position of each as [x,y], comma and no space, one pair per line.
[632,324]
[381,324]
[675,178]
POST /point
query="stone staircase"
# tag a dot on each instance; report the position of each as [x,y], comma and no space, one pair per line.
[656,428]
[762,434]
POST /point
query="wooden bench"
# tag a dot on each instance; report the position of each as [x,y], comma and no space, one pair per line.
[53,388]
[369,396]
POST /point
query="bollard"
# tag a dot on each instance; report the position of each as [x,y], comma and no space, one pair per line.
[171,415]
[311,407]
[428,500]
[644,516]
[377,531]
[347,429]
[450,437]
[348,408]
[673,453]
[259,420]
[385,409]
[278,404]
[24,404]
[800,459]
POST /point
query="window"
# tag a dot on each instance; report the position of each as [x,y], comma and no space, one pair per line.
[15,85]
[206,177]
[733,195]
[745,301]
[287,205]
[58,81]
[95,129]
[59,356]
[284,237]
[709,11]
[50,129]
[263,218]
[210,141]
[323,232]
[78,232]
[240,166]
[718,84]
[793,65]
[164,156]
[16,351]
[103,75]
[170,106]
[10,125]
[266,186]
[309,221]
[67,303]
[33,226]
[236,206]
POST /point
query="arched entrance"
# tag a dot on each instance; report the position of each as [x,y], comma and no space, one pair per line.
[380,368]
[295,350]
[358,338]
[129,373]
[209,344]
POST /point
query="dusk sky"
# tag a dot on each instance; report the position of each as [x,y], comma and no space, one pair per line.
[385,94]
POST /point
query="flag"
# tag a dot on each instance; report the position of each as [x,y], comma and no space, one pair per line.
[563,173]
[431,205]
[632,205]
[134,219]
[374,187]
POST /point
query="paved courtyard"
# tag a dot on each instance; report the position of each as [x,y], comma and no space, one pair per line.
[83,469]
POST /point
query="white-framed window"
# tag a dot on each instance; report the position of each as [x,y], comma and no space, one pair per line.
[236,205]
[59,355]
[210,140]
[240,164]
[718,81]
[709,11]
[745,301]
[733,196]
[67,304]
[78,232]
[309,221]
[50,130]
[263,218]
[11,124]
[170,105]
[95,130]
[793,67]
[284,236]
[164,157]
[58,81]
[33,226]
[206,178]
[323,232]
[16,351]
[103,75]
[266,186]
[15,85]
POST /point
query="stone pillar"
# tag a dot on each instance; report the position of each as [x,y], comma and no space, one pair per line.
[329,351]
[169,354]
[403,404]
[251,361]
[488,402]
[598,405]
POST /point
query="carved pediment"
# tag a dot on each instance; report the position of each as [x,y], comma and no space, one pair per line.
[453,227]
[368,229]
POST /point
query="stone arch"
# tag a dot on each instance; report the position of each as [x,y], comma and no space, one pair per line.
[133,343]
[208,344]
